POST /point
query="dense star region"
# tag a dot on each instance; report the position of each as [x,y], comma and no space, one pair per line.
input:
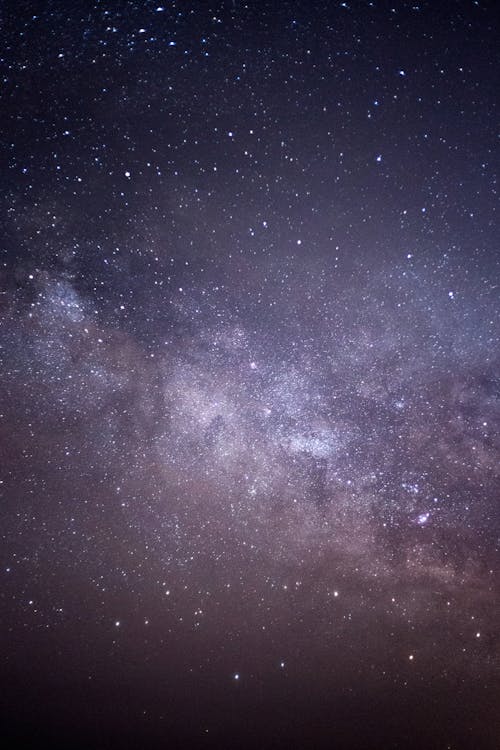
[249,405]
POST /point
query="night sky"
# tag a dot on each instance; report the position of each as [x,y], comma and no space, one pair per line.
[250,390]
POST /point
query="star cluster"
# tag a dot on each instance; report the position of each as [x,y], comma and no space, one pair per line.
[249,361]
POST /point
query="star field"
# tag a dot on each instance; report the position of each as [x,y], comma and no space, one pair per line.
[249,413]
